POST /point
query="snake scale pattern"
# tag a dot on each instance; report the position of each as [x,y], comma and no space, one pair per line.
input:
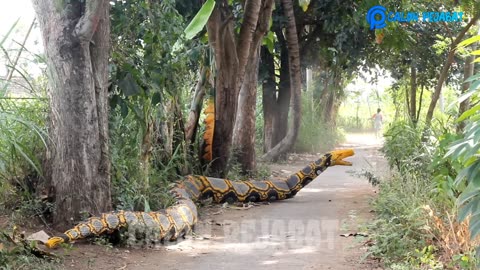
[179,219]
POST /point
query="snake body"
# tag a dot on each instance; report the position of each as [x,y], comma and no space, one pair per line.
[179,219]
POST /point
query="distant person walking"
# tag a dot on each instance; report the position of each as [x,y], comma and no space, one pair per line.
[378,122]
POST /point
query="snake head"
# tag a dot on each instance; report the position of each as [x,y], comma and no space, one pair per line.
[53,242]
[337,157]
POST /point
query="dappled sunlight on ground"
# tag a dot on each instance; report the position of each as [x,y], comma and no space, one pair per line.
[363,140]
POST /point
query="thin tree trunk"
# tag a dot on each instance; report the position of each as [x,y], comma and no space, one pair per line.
[76,38]
[413,94]
[195,108]
[280,122]
[295,83]
[465,105]
[269,99]
[420,100]
[446,66]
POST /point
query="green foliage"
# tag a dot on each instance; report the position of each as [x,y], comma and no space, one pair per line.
[200,20]
[315,136]
[147,146]
[128,182]
[398,228]
[21,137]
[17,256]
[403,147]
[466,150]
[422,178]
[23,142]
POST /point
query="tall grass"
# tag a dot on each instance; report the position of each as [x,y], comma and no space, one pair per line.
[315,135]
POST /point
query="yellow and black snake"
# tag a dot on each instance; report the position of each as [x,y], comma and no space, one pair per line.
[179,219]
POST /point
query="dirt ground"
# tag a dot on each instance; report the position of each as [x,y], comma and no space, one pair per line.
[302,233]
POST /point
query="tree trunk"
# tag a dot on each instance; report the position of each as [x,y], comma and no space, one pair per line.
[280,122]
[446,66]
[244,132]
[295,84]
[76,38]
[413,94]
[231,58]
[420,102]
[465,105]
[269,99]
[195,108]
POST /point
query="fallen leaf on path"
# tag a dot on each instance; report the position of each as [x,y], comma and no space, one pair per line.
[41,236]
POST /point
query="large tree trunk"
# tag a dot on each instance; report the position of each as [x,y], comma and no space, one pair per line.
[446,66]
[231,58]
[295,83]
[244,138]
[76,37]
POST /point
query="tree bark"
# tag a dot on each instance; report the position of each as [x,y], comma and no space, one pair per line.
[269,99]
[465,105]
[231,58]
[76,38]
[295,84]
[413,94]
[195,108]
[244,131]
[444,73]
[282,108]
[420,100]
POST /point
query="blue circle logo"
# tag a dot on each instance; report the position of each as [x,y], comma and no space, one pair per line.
[372,20]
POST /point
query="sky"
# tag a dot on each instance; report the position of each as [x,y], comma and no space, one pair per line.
[11,11]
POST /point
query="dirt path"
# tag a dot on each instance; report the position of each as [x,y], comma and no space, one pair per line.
[302,233]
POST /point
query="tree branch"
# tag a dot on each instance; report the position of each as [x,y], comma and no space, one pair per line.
[446,66]
[87,25]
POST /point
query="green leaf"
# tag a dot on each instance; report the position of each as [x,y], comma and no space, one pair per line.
[469,113]
[200,20]
[129,85]
[477,52]
[469,41]
[156,98]
[269,41]
[474,227]
[473,78]
[147,205]
[304,4]
[9,32]
[465,210]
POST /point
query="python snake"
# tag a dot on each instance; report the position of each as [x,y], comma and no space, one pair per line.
[179,219]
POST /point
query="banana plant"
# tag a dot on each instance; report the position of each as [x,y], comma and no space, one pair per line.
[467,151]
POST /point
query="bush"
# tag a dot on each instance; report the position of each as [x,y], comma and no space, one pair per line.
[399,227]
[23,142]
